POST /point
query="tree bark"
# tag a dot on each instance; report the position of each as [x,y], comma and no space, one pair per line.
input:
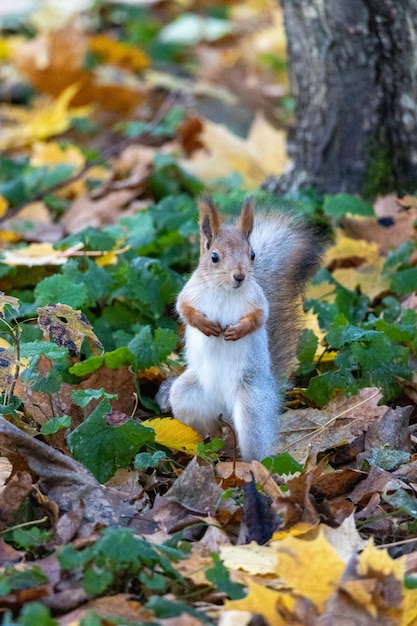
[353,72]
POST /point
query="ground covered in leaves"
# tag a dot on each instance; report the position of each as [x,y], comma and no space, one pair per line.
[113,119]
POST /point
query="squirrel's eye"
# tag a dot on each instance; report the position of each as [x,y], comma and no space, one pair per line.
[215,257]
[252,255]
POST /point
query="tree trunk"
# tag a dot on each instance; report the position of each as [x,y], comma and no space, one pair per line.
[353,71]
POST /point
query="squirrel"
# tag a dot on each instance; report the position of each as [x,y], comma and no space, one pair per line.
[241,312]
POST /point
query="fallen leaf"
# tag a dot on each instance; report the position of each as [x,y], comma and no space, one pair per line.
[174,434]
[297,558]
[252,558]
[253,158]
[260,600]
[44,120]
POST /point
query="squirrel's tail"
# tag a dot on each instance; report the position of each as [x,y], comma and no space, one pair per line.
[288,253]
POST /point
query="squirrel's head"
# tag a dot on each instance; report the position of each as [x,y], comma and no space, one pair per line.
[226,255]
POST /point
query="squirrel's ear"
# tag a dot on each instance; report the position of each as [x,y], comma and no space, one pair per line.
[210,221]
[246,217]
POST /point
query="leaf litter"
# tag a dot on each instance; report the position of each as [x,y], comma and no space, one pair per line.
[332,534]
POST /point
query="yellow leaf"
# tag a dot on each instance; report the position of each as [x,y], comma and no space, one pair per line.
[409,607]
[348,248]
[373,558]
[44,120]
[4,205]
[297,530]
[260,600]
[261,154]
[4,49]
[312,568]
[118,53]
[110,258]
[38,254]
[174,434]
[368,277]
[251,558]
[53,153]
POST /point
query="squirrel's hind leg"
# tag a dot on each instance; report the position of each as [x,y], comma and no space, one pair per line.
[189,405]
[256,421]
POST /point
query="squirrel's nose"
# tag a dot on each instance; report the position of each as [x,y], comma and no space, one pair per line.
[239,277]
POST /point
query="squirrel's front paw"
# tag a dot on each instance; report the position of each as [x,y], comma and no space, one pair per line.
[207,326]
[235,332]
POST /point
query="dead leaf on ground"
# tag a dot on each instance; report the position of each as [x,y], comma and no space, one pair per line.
[63,479]
[309,431]
[262,153]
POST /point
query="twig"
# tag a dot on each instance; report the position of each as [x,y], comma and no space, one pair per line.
[107,154]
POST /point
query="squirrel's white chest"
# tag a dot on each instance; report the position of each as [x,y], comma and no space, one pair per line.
[219,364]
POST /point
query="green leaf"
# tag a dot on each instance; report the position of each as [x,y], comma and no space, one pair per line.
[152,348]
[83,397]
[15,580]
[410,581]
[322,388]
[103,448]
[164,608]
[220,577]
[150,285]
[97,580]
[60,289]
[404,281]
[153,581]
[35,613]
[282,464]
[402,500]
[140,229]
[96,280]
[56,424]
[69,558]
[146,460]
[28,538]
[121,357]
[307,346]
[341,204]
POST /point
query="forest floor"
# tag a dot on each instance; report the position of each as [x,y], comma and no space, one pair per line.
[114,118]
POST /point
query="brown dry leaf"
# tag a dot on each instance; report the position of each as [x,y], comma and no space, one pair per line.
[246,472]
[196,489]
[116,53]
[55,59]
[12,495]
[121,606]
[387,237]
[308,431]
[86,211]
[68,327]
[120,380]
[62,479]
[261,154]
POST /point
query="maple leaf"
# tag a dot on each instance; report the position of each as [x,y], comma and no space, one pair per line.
[45,119]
